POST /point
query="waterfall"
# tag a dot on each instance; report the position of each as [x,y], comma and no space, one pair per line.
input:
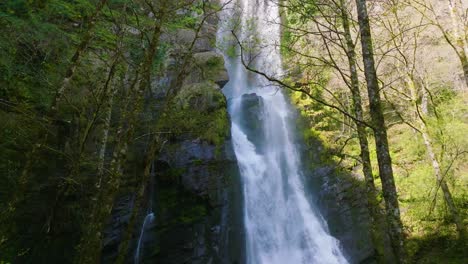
[281,226]
[149,218]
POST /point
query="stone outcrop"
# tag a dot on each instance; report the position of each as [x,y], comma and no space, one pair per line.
[251,119]
[196,210]
[208,65]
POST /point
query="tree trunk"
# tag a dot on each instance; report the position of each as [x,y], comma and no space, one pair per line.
[373,206]
[380,133]
[75,60]
[459,34]
[434,161]
[89,249]
[155,148]
[443,185]
[105,136]
[464,62]
[26,171]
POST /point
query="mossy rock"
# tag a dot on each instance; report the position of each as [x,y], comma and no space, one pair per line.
[198,112]
[208,66]
[203,97]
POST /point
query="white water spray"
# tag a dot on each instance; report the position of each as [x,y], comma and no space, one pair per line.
[281,226]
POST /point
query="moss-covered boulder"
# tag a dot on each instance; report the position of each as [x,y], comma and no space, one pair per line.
[182,39]
[198,112]
[208,66]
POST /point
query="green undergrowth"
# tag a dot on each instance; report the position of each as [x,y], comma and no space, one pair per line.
[437,248]
[429,226]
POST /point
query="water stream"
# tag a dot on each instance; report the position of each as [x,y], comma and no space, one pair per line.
[149,218]
[281,225]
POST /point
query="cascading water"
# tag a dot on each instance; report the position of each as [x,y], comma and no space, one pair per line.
[281,226]
[149,218]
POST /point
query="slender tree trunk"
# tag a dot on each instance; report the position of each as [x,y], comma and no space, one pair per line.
[75,60]
[434,161]
[77,162]
[380,133]
[89,249]
[372,201]
[459,34]
[30,157]
[152,152]
[105,136]
[443,185]
[464,62]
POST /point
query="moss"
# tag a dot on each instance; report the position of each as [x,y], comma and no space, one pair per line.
[156,250]
[436,248]
[209,64]
[179,207]
[215,62]
[193,214]
[199,111]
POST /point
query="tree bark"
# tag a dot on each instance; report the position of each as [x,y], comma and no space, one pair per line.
[155,148]
[372,201]
[380,133]
[104,139]
[105,136]
[459,35]
[464,62]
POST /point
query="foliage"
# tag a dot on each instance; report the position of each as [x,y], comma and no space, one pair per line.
[38,42]
[313,45]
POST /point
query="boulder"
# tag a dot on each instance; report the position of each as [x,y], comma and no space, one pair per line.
[251,118]
[183,38]
[202,97]
[208,66]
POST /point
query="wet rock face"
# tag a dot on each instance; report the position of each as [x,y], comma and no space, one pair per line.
[196,214]
[203,171]
[343,203]
[194,197]
[113,233]
[251,119]
[340,196]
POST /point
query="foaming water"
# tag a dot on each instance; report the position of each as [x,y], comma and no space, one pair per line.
[281,226]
